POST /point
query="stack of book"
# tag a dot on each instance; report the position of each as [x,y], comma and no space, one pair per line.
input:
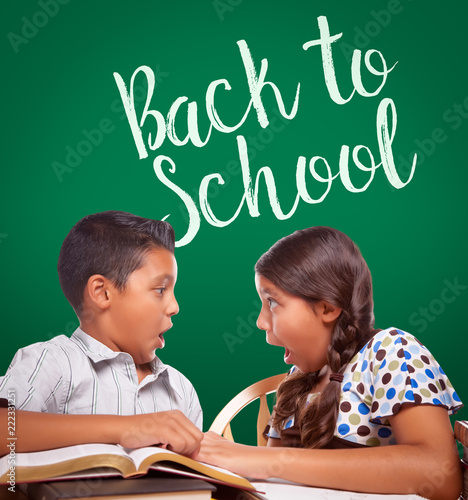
[90,471]
[120,489]
[461,434]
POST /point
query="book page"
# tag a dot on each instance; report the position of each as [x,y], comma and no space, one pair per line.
[58,455]
[186,472]
[61,461]
[144,458]
[139,455]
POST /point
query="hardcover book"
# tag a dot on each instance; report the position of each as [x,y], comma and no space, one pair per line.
[117,489]
[94,460]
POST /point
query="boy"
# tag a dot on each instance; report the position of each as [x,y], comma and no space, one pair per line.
[105,383]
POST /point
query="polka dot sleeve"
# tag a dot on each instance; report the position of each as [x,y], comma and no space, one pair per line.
[404,371]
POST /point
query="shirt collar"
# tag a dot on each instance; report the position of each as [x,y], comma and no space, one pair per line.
[157,366]
[97,351]
[160,369]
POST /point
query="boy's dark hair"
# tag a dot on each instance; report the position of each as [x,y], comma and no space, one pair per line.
[321,263]
[110,243]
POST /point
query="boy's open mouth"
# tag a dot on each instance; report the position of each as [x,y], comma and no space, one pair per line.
[161,340]
[161,336]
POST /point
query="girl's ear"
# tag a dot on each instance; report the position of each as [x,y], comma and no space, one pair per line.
[97,291]
[329,312]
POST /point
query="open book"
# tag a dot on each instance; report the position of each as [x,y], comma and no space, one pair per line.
[90,460]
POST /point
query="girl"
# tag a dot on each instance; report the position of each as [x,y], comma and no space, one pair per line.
[361,409]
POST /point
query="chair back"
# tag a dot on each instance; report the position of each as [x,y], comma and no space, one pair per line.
[221,423]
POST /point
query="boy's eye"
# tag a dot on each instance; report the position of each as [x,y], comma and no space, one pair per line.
[160,291]
[272,303]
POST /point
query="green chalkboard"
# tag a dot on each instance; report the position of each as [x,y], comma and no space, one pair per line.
[385,81]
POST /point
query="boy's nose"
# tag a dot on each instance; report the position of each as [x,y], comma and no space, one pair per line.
[173,307]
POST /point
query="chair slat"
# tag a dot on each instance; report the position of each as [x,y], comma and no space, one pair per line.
[261,388]
[262,421]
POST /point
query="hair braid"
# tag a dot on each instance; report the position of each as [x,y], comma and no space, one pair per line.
[317,421]
[317,264]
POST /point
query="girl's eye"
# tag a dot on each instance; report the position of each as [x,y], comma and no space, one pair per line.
[160,291]
[272,303]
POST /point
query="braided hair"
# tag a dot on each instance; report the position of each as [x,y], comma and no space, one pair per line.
[321,264]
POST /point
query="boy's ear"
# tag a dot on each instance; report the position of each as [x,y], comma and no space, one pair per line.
[329,312]
[98,291]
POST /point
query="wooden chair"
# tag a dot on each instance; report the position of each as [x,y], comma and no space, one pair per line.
[461,435]
[221,423]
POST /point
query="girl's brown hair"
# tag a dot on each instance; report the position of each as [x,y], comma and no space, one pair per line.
[321,263]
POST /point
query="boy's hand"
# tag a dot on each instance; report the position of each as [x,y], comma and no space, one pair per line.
[169,429]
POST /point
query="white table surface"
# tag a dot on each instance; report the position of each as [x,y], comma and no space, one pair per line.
[274,490]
